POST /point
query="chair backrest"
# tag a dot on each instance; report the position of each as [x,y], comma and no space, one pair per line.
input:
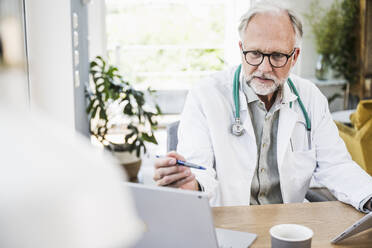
[363,114]
[172,136]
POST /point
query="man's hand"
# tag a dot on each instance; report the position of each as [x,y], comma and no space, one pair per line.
[168,173]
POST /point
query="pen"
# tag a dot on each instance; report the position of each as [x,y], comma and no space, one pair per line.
[187,164]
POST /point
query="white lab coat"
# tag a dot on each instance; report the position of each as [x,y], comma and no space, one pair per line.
[205,138]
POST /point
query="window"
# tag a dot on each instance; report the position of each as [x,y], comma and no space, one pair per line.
[171,44]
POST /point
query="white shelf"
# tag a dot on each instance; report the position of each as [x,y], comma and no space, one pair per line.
[329,82]
[343,116]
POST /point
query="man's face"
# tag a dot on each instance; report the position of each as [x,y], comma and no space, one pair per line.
[268,33]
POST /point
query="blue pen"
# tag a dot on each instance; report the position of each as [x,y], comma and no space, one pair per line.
[187,164]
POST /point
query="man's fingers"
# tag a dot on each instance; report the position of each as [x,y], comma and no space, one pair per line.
[183,181]
[164,171]
[169,179]
[168,160]
[165,162]
[175,155]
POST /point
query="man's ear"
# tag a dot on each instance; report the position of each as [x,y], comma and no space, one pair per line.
[295,56]
[241,45]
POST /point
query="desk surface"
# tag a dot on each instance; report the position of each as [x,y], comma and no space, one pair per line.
[326,219]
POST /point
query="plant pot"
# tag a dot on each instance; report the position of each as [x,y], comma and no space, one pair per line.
[322,70]
[131,165]
[128,160]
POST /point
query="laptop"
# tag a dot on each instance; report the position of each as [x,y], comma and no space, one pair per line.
[181,218]
[359,226]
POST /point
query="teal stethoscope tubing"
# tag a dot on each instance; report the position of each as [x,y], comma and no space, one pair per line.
[293,89]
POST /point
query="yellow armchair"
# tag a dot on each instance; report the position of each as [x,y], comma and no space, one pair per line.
[358,138]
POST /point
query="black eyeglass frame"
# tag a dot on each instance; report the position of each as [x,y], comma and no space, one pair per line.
[269,56]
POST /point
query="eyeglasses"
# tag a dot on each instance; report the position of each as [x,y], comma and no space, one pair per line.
[276,59]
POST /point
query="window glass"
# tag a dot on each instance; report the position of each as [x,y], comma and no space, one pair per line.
[166,43]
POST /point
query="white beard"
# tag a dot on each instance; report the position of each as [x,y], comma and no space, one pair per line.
[264,89]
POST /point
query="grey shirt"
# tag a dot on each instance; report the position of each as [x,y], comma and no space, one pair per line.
[265,187]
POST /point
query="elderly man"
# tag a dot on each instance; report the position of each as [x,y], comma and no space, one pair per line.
[262,133]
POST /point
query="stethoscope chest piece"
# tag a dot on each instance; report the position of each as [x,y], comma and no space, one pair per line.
[237,128]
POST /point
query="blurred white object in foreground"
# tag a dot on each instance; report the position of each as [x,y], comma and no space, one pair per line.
[58,191]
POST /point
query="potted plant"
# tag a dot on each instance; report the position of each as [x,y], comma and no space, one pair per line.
[109,97]
[336,35]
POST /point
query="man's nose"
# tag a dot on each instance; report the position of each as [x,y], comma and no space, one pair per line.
[265,66]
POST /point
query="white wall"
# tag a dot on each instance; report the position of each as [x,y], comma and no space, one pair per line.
[97,28]
[49,47]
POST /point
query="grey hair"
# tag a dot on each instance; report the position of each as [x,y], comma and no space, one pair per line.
[270,7]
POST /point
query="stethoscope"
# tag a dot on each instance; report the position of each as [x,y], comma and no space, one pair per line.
[237,128]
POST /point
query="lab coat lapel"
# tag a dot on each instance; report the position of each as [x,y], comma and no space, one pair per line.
[244,114]
[287,121]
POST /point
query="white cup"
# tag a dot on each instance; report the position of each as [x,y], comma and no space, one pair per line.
[291,236]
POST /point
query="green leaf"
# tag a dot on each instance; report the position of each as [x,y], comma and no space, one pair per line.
[128,109]
[158,109]
[90,105]
[94,112]
[102,114]
[134,128]
[112,70]
[138,151]
[93,64]
[149,138]
[109,86]
[128,136]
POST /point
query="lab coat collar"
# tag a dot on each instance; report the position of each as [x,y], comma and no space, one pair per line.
[287,95]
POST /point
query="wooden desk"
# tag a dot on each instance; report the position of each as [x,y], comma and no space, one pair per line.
[326,219]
